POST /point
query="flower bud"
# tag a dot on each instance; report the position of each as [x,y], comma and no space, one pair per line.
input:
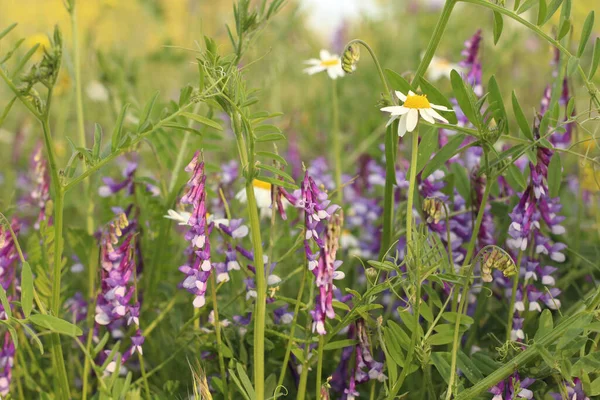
[350,58]
[498,259]
[433,207]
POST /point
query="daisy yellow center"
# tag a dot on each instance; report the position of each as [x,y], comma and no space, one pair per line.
[416,101]
[261,184]
[330,63]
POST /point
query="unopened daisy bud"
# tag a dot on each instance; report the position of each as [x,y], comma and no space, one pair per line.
[497,259]
[350,58]
[432,207]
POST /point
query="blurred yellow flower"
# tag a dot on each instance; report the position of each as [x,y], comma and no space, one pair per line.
[40,39]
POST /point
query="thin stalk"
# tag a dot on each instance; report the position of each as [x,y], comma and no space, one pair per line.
[466,286]
[213,280]
[304,374]
[434,41]
[337,142]
[288,349]
[261,294]
[320,365]
[513,297]
[80,114]
[391,145]
[411,190]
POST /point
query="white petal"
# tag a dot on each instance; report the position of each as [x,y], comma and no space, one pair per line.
[412,119]
[441,108]
[314,69]
[273,280]
[401,96]
[436,115]
[402,126]
[324,54]
[426,116]
[199,301]
[394,117]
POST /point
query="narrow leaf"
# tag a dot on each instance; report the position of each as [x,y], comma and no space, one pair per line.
[554,175]
[541,12]
[270,137]
[521,119]
[275,171]
[147,111]
[572,65]
[202,120]
[397,82]
[445,153]
[272,155]
[498,26]
[564,28]
[116,136]
[7,30]
[586,31]
[97,141]
[427,146]
[5,302]
[595,59]
[340,344]
[460,92]
[552,8]
[55,324]
[26,289]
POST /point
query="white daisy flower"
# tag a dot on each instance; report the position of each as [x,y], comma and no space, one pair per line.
[331,63]
[262,193]
[414,104]
[440,68]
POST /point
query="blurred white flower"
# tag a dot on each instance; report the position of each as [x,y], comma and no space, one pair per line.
[327,62]
[96,91]
[180,216]
[440,68]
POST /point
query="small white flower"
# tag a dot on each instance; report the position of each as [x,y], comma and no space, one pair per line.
[287,318]
[413,106]
[440,68]
[262,192]
[180,216]
[96,91]
[327,62]
[273,280]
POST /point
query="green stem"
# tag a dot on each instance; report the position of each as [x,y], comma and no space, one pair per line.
[261,294]
[337,142]
[391,146]
[320,365]
[530,354]
[434,41]
[466,286]
[513,297]
[288,349]
[217,324]
[411,191]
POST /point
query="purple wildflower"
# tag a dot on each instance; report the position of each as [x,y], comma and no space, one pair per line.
[7,356]
[513,388]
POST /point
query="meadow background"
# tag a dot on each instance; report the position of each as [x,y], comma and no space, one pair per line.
[131,49]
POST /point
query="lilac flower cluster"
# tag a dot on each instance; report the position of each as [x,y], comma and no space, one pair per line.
[317,209]
[513,388]
[8,258]
[116,306]
[37,184]
[574,391]
[201,267]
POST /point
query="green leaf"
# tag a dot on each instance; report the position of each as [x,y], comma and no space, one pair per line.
[526,6]
[498,26]
[278,182]
[564,28]
[5,302]
[438,339]
[184,95]
[116,136]
[7,30]
[594,388]
[441,362]
[269,137]
[426,312]
[496,102]
[272,155]
[515,178]
[442,156]
[572,65]
[245,381]
[267,129]
[461,93]
[554,175]
[466,365]
[397,82]
[26,289]
[461,180]
[595,60]
[436,97]
[145,116]
[521,119]
[586,31]
[541,12]
[55,324]
[275,171]
[340,344]
[428,145]
[202,120]
[451,317]
[552,8]
[97,141]
[13,332]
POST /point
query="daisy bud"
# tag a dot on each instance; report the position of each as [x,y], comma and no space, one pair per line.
[350,58]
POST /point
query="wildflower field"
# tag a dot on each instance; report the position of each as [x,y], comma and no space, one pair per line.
[216,200]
